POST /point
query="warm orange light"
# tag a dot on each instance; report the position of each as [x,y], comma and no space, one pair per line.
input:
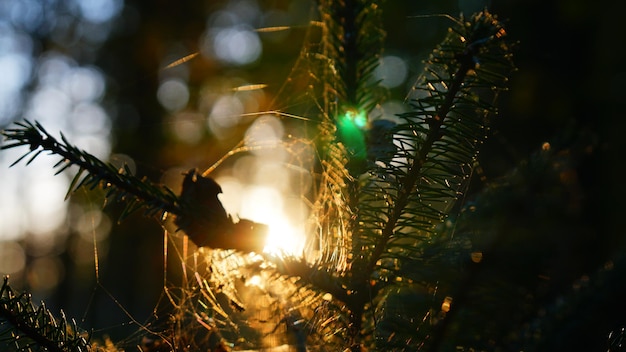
[446,305]
[283,239]
[255,280]
[477,257]
[266,205]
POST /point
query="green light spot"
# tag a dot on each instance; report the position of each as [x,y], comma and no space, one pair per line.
[353,119]
[357,117]
[351,128]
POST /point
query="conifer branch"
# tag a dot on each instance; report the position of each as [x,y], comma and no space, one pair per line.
[119,183]
[353,45]
[457,140]
[198,211]
[22,326]
[415,171]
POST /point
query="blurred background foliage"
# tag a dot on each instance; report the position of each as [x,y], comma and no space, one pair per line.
[98,71]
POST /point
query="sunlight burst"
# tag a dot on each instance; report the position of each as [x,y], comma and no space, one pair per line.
[268,206]
[284,239]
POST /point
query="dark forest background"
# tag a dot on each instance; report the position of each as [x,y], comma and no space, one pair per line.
[568,91]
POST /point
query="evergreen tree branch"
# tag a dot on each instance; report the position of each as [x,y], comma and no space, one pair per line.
[26,326]
[349,51]
[197,211]
[447,121]
[352,44]
[317,277]
[390,216]
[415,171]
[120,184]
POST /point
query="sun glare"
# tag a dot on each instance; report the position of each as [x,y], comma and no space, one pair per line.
[266,205]
[283,239]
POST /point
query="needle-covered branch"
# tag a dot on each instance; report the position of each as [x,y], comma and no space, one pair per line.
[22,326]
[197,211]
[92,172]
[439,139]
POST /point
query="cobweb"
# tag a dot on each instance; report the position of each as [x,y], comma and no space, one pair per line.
[214,299]
[217,299]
